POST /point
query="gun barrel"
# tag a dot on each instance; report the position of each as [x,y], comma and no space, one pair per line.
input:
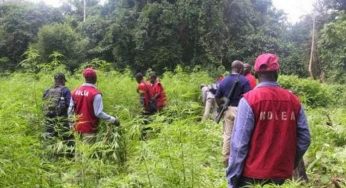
[228,101]
[219,115]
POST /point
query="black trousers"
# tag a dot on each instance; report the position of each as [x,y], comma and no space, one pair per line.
[244,181]
[58,129]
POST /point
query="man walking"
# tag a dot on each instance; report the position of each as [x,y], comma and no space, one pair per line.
[143,89]
[248,75]
[230,114]
[271,133]
[87,105]
[208,99]
[56,101]
[157,93]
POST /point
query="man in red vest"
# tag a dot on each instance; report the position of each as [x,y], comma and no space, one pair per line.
[143,89]
[247,73]
[270,133]
[86,103]
[157,93]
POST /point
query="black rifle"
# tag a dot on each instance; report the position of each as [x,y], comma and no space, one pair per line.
[228,100]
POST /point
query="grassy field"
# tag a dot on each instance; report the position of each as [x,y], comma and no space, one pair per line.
[180,151]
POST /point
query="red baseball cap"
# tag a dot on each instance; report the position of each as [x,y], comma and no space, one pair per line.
[89,73]
[267,63]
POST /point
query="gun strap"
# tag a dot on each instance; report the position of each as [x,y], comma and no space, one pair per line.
[233,89]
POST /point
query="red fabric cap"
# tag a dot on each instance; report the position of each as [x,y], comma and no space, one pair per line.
[89,73]
[267,63]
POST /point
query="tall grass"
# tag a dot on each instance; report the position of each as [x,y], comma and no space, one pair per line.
[179,150]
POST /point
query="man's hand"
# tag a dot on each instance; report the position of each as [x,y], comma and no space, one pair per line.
[153,98]
[234,182]
[71,125]
[115,121]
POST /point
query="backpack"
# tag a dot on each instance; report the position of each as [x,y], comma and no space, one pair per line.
[213,88]
[54,103]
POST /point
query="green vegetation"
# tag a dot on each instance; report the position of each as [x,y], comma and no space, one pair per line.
[333,48]
[138,35]
[188,42]
[180,150]
[62,39]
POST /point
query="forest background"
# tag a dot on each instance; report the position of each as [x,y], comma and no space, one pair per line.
[142,34]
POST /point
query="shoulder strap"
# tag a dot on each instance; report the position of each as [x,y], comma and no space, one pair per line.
[61,92]
[61,88]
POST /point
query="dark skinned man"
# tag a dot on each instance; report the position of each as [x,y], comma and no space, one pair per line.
[143,89]
[56,101]
[270,133]
[248,75]
[157,93]
[87,105]
[230,114]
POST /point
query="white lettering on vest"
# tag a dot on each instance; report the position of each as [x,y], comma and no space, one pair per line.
[284,116]
[293,116]
[82,93]
[262,116]
[270,115]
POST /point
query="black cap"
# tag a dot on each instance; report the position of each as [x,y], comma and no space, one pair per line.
[60,76]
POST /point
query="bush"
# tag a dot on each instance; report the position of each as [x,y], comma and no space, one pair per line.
[332,49]
[310,92]
[326,159]
[63,39]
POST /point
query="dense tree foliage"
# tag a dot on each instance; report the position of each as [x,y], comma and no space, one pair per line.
[62,39]
[143,34]
[19,25]
[333,48]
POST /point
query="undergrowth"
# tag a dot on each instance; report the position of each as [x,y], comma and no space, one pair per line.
[177,151]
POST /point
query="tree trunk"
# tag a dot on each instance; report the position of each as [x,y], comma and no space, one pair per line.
[84,13]
[312,51]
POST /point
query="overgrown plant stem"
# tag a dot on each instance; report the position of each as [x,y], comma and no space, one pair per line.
[312,51]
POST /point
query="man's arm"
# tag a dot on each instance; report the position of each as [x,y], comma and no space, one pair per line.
[141,90]
[219,94]
[70,110]
[157,90]
[242,131]
[218,101]
[303,135]
[204,91]
[141,98]
[98,110]
[45,94]
[246,86]
[67,96]
[155,96]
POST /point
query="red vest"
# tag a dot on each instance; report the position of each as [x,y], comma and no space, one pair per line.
[157,88]
[83,99]
[272,147]
[251,79]
[144,89]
